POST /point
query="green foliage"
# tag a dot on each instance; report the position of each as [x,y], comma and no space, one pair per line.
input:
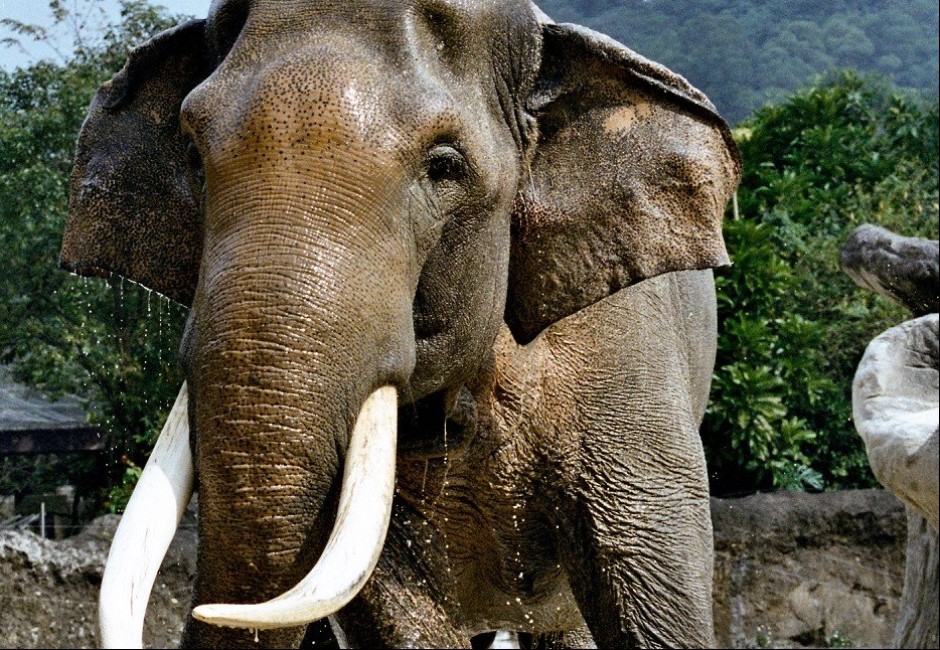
[792,326]
[750,426]
[108,340]
[120,494]
[744,53]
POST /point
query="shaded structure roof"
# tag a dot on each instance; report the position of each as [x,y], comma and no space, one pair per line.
[30,422]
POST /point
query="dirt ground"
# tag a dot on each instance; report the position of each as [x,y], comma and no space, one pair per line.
[791,570]
[49,590]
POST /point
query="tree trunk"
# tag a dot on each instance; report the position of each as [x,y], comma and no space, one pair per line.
[917,623]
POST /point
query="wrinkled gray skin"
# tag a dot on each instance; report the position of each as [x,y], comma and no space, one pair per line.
[507,221]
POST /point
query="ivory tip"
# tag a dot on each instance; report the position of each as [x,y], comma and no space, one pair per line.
[230,616]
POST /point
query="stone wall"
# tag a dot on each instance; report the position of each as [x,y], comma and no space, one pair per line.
[791,570]
[798,570]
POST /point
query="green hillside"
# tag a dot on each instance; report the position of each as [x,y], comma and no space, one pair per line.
[743,53]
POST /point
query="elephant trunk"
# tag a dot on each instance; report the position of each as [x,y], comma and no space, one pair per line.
[157,505]
[356,540]
[302,317]
[295,332]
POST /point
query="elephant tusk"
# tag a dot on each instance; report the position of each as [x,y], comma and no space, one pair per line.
[354,546]
[145,532]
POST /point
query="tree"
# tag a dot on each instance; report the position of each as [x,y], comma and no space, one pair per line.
[744,53]
[792,327]
[110,341]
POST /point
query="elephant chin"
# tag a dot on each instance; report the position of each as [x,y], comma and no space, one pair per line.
[165,487]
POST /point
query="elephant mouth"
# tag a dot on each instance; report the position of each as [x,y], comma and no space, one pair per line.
[437,426]
[165,487]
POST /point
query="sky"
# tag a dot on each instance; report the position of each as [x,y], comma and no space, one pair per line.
[37,12]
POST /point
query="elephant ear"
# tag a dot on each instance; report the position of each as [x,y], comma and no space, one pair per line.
[629,179]
[134,199]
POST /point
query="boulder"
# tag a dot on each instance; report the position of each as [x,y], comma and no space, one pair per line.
[904,269]
[896,407]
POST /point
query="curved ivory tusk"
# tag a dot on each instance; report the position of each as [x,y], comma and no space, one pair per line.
[145,532]
[354,546]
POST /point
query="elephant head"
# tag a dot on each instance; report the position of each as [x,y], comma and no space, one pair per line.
[354,198]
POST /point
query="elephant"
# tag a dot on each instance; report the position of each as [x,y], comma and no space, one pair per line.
[452,321]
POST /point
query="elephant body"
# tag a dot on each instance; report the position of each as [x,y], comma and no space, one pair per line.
[486,535]
[536,501]
[501,225]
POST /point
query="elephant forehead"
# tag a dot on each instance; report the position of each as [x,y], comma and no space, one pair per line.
[309,95]
[462,38]
[452,14]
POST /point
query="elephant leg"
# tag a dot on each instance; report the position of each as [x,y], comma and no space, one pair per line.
[637,538]
[407,602]
[631,496]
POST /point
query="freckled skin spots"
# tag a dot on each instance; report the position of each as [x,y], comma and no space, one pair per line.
[505,220]
[623,118]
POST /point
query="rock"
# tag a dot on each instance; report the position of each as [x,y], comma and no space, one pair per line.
[917,623]
[904,269]
[896,406]
[797,570]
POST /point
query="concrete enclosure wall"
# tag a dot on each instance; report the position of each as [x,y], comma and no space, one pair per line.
[791,570]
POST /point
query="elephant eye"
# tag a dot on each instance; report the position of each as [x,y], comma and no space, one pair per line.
[446,163]
[195,162]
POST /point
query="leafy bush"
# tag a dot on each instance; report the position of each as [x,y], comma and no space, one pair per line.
[793,327]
